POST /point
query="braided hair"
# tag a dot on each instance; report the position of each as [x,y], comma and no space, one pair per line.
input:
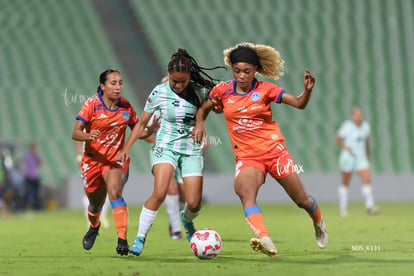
[182,62]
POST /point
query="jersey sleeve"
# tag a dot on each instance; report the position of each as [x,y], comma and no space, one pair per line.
[216,91]
[151,104]
[275,93]
[86,111]
[343,129]
[133,118]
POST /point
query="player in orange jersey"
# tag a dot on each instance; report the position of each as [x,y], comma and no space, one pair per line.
[102,123]
[256,139]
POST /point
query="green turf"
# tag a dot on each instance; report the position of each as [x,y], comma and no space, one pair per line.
[49,243]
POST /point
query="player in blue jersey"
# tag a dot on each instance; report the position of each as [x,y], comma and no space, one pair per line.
[353,138]
[177,101]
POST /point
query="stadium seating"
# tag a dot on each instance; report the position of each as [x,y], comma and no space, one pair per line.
[360,52]
[52,54]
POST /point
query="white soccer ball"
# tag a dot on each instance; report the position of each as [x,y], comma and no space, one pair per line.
[206,243]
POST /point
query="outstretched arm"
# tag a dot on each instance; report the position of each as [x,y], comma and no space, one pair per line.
[302,100]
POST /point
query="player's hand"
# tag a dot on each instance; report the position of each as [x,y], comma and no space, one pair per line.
[198,133]
[94,134]
[308,80]
[218,104]
[122,157]
[155,125]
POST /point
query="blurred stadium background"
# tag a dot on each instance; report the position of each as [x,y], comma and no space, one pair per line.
[52,52]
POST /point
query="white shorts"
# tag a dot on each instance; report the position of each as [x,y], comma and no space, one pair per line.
[351,163]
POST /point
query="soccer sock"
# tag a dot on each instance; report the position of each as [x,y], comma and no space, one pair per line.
[120,214]
[315,212]
[146,219]
[188,215]
[369,198]
[343,199]
[93,216]
[254,218]
[182,205]
[173,212]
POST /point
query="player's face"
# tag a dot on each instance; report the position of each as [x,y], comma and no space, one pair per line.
[112,87]
[357,115]
[178,81]
[243,73]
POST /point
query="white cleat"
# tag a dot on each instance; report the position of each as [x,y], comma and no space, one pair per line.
[321,234]
[263,245]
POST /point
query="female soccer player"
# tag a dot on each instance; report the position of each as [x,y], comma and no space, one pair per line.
[353,138]
[102,123]
[178,101]
[256,139]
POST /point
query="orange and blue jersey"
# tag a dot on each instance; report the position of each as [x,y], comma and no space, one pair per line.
[248,117]
[112,124]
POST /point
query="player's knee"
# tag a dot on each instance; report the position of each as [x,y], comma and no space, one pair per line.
[303,202]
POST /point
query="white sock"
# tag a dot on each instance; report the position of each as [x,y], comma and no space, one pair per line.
[343,199]
[182,205]
[146,219]
[106,207]
[173,212]
[188,215]
[369,198]
[85,202]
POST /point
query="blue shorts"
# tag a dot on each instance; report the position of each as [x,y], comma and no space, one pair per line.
[350,163]
[189,165]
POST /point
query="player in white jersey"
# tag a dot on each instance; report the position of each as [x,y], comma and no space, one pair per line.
[178,101]
[353,138]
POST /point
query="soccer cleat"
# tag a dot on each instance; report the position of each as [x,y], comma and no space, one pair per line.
[321,234]
[264,245]
[137,247]
[189,226]
[90,236]
[373,211]
[174,235]
[122,248]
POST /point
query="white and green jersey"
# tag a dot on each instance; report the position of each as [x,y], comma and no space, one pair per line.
[355,137]
[177,118]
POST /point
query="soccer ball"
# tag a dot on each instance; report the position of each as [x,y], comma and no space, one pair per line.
[206,243]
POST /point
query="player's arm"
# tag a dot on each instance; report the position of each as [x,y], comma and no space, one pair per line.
[79,135]
[302,100]
[367,147]
[198,131]
[137,132]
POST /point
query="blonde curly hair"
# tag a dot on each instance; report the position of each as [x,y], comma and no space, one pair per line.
[270,61]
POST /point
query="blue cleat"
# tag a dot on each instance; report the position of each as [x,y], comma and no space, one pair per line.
[189,226]
[136,248]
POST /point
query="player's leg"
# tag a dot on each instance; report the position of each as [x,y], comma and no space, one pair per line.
[193,187]
[343,193]
[96,201]
[173,210]
[192,168]
[365,175]
[296,191]
[347,166]
[95,191]
[163,172]
[115,179]
[246,185]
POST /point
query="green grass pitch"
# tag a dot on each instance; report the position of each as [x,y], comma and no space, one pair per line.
[49,243]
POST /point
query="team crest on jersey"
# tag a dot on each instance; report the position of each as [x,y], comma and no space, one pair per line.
[255,96]
[125,115]
[149,100]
